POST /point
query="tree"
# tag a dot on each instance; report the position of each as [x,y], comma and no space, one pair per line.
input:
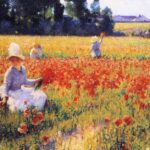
[107,23]
[95,8]
[70,9]
[4,6]
[58,11]
[80,9]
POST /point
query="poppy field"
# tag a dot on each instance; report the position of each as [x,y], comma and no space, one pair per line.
[95,104]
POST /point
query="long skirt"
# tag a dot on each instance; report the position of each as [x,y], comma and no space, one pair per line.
[96,53]
[24,98]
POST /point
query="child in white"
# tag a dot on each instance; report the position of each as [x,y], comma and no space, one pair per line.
[36,52]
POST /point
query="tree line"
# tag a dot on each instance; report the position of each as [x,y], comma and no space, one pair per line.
[54,17]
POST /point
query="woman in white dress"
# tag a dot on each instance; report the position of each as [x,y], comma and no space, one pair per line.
[95,48]
[17,91]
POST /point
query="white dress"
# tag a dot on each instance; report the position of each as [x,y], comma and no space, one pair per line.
[95,49]
[19,96]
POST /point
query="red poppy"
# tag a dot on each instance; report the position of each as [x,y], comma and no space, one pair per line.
[39,115]
[128,120]
[118,122]
[143,106]
[126,97]
[23,128]
[35,120]
[45,140]
[26,102]
[107,120]
[69,103]
[26,113]
[76,99]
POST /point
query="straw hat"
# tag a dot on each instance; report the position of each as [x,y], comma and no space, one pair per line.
[14,51]
[94,39]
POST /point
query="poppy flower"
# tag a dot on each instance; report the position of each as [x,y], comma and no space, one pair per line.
[35,120]
[45,140]
[126,97]
[26,102]
[127,120]
[69,103]
[143,106]
[76,99]
[39,115]
[26,113]
[107,120]
[118,122]
[23,129]
[1,105]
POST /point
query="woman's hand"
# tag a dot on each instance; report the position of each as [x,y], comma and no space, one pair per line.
[38,83]
[38,80]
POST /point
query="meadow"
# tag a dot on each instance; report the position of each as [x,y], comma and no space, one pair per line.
[96,104]
[63,46]
[129,26]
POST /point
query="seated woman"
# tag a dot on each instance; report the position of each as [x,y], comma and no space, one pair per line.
[95,48]
[36,51]
[14,91]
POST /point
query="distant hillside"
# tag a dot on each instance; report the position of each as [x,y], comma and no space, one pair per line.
[132,29]
[140,18]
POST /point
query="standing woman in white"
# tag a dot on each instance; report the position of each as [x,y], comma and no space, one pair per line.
[95,48]
[14,91]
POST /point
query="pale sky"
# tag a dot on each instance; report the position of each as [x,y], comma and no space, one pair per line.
[126,7]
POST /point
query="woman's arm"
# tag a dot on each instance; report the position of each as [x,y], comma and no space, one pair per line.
[6,85]
[101,40]
[30,82]
[7,82]
[27,82]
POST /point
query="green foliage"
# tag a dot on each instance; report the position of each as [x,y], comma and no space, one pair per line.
[107,23]
[79,7]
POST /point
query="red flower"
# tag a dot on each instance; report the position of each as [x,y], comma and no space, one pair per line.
[35,120]
[23,128]
[48,76]
[1,105]
[128,120]
[126,97]
[76,99]
[26,113]
[26,102]
[143,106]
[69,103]
[118,122]
[107,120]
[45,140]
[39,115]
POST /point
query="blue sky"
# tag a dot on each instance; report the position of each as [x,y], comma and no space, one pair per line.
[127,7]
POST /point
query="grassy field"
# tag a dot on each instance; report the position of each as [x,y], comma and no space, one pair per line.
[129,26]
[95,104]
[112,47]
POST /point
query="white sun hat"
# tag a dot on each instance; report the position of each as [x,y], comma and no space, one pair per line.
[14,51]
[94,39]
